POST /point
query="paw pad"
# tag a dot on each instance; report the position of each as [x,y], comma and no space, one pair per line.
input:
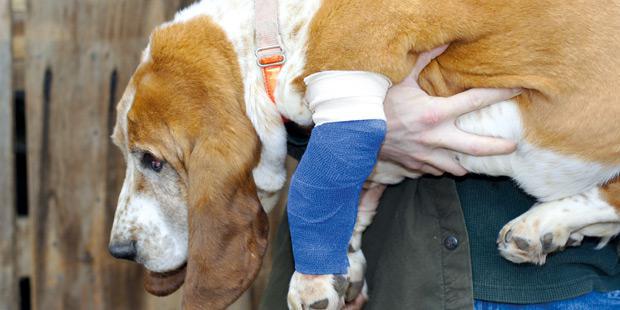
[320,305]
[522,244]
[547,243]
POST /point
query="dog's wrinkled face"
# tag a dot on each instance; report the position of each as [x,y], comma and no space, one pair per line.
[189,200]
[150,225]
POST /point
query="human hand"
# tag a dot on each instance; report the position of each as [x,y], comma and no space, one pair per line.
[422,131]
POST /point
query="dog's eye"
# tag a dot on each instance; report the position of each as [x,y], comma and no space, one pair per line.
[149,161]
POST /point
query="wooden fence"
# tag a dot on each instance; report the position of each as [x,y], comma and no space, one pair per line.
[8,274]
[68,62]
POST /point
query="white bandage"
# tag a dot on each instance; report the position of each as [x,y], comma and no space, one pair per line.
[340,96]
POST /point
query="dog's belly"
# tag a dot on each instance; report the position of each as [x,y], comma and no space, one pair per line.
[542,173]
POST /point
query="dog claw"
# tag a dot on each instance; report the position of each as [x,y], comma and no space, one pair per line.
[354,290]
[573,242]
[508,236]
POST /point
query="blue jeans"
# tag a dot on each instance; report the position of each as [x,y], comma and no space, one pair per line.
[594,300]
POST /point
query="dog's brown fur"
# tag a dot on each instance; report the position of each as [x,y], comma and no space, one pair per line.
[565,53]
[190,113]
[612,193]
[189,107]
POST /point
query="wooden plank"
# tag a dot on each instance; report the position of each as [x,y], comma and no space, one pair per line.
[76,51]
[18,5]
[19,48]
[8,268]
[23,249]
[19,43]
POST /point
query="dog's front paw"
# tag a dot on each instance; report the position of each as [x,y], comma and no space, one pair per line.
[316,292]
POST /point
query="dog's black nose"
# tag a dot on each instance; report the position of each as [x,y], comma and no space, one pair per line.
[124,250]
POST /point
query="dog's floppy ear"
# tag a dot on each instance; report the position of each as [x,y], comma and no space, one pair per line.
[228,228]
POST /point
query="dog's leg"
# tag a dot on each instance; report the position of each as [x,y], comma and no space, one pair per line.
[331,291]
[357,262]
[551,226]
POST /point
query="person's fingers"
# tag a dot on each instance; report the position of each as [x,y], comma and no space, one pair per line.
[424,59]
[414,165]
[411,163]
[428,169]
[475,145]
[444,161]
[474,99]
[399,156]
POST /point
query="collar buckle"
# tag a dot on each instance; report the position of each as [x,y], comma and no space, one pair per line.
[270,56]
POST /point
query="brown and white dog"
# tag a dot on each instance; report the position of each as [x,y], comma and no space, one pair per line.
[203,142]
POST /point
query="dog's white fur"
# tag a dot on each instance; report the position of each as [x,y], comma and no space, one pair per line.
[236,18]
[553,178]
[136,214]
[155,217]
[542,173]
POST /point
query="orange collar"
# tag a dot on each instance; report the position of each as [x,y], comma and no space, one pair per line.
[270,55]
[271,64]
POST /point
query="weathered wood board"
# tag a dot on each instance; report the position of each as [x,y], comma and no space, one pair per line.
[9,297]
[73,58]
[79,56]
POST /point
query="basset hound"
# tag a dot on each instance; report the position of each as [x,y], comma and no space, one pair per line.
[205,147]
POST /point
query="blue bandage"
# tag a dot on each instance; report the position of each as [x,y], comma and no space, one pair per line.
[325,189]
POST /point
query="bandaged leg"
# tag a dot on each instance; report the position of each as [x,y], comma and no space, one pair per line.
[349,129]
[325,192]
